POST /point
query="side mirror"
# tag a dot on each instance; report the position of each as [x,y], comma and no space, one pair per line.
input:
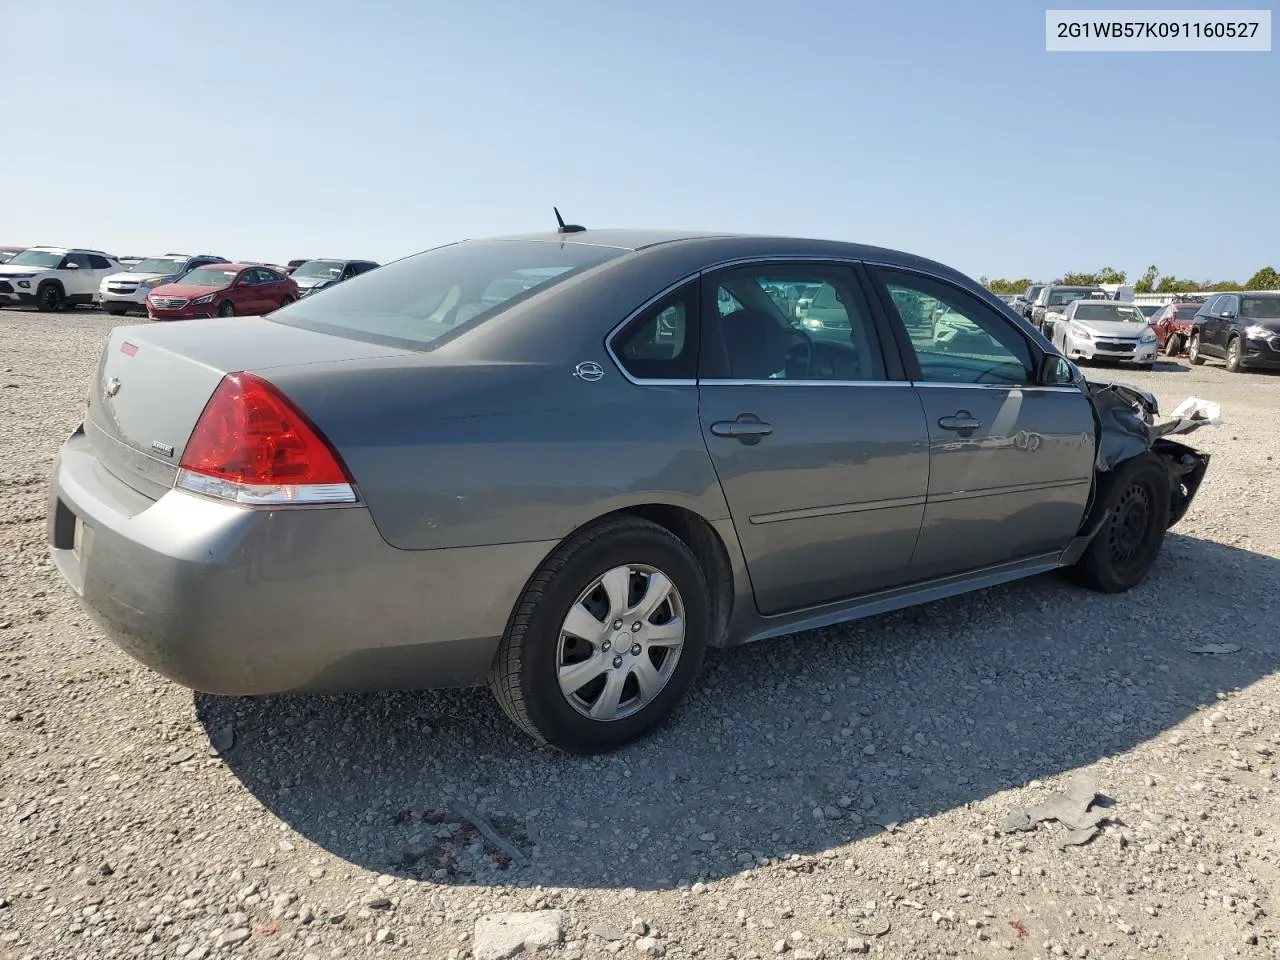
[1056,371]
[73,266]
[1226,314]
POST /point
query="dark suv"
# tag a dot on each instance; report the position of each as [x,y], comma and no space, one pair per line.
[1241,328]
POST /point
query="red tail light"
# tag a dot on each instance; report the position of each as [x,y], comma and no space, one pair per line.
[253,446]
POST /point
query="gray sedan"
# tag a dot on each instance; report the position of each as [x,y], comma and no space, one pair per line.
[566,464]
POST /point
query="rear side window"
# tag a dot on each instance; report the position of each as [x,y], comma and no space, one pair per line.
[662,342]
[416,301]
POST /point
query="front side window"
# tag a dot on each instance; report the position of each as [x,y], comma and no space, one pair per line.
[956,337]
[99,263]
[662,342]
[416,301]
[80,260]
[793,322]
[1228,304]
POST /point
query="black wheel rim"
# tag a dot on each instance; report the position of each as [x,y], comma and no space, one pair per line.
[1131,526]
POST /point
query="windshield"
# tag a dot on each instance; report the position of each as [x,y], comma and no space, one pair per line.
[7,255]
[1260,308]
[161,265]
[1063,295]
[421,298]
[1034,291]
[1110,313]
[324,269]
[36,258]
[210,277]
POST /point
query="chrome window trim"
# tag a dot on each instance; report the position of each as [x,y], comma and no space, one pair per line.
[737,382]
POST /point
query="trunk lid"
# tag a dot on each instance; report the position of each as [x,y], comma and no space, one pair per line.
[153,382]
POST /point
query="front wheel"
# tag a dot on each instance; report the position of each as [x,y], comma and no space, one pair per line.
[1125,549]
[49,298]
[1173,345]
[227,309]
[1235,355]
[606,639]
[1193,350]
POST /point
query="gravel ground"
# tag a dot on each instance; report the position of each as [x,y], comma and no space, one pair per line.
[839,792]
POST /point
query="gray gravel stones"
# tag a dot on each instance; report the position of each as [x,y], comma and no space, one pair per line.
[502,935]
[332,828]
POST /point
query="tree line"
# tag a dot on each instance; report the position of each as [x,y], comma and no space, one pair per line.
[1150,282]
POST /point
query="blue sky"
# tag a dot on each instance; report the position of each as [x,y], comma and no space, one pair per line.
[272,130]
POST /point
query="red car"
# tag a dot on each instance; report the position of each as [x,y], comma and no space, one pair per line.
[222,290]
[1172,324]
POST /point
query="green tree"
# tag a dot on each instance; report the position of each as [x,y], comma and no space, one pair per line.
[1265,279]
[1105,275]
[1147,282]
[1111,275]
[1002,287]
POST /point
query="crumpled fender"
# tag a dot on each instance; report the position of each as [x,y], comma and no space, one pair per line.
[1125,421]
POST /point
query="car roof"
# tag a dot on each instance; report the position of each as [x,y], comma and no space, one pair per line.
[719,246]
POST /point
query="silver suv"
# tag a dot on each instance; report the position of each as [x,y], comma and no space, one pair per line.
[127,290]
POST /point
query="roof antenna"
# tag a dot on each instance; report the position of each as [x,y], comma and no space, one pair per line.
[566,227]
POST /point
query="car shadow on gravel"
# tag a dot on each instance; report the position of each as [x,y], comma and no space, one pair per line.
[786,747]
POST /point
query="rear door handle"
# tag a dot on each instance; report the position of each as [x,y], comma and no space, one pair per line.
[747,427]
[962,422]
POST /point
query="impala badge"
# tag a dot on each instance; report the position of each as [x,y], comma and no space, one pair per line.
[588,371]
[112,386]
[164,448]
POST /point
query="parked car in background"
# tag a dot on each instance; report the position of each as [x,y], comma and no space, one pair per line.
[340,496]
[293,265]
[1105,330]
[1149,310]
[317,274]
[121,292]
[53,278]
[1023,302]
[1172,324]
[1053,299]
[8,253]
[222,290]
[1242,329]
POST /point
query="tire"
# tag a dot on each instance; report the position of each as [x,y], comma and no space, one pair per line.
[226,309]
[1125,549]
[1235,355]
[49,297]
[525,674]
[1173,345]
[1193,350]
[286,301]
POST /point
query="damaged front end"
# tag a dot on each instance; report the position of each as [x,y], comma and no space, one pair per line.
[1125,421]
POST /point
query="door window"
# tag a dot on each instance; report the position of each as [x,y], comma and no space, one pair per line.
[791,322]
[1226,305]
[956,337]
[79,259]
[99,263]
[662,342]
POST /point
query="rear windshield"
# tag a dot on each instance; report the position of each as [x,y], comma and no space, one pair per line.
[415,301]
[1186,311]
[1059,296]
[1260,308]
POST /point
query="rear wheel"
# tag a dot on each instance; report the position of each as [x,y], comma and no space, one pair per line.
[1235,354]
[1125,549]
[49,297]
[1173,345]
[1193,349]
[227,309]
[606,639]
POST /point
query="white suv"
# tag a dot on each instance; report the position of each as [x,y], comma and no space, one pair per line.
[51,278]
[121,292]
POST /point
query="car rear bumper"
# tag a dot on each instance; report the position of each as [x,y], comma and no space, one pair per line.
[230,600]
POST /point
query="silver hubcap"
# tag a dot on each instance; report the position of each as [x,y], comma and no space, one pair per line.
[620,643]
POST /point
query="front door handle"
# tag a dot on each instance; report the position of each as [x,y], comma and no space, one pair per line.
[747,428]
[962,422]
